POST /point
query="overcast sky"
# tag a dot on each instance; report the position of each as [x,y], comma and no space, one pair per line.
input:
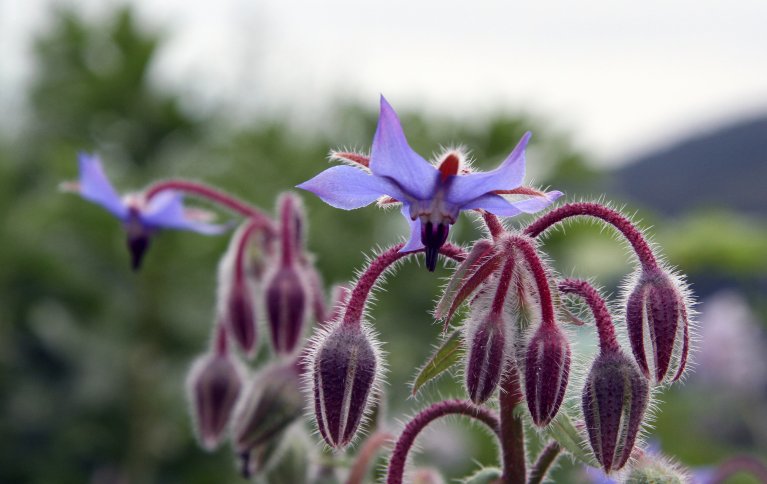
[621,76]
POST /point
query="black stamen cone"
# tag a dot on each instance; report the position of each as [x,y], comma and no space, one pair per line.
[137,246]
[433,238]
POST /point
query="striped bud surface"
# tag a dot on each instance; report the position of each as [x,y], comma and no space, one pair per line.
[547,371]
[214,384]
[271,403]
[286,307]
[484,363]
[614,402]
[344,371]
[657,322]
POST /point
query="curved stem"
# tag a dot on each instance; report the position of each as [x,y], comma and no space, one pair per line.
[209,193]
[425,417]
[504,281]
[607,339]
[253,226]
[366,455]
[633,235]
[545,459]
[378,266]
[512,429]
[526,247]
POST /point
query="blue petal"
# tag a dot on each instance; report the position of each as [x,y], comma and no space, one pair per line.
[392,157]
[500,206]
[95,187]
[507,176]
[348,188]
[414,243]
[166,211]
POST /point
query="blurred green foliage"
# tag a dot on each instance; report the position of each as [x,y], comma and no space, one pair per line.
[93,357]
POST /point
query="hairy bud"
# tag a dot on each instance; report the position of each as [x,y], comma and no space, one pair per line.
[214,385]
[650,469]
[272,402]
[343,374]
[547,370]
[614,402]
[286,304]
[484,364]
[656,317]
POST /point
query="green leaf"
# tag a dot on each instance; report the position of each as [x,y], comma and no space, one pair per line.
[448,354]
[563,431]
[487,475]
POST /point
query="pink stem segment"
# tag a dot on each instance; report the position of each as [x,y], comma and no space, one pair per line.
[494,225]
[365,456]
[607,339]
[512,428]
[425,417]
[209,193]
[366,282]
[633,235]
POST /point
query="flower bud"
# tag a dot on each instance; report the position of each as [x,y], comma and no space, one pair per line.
[547,371]
[650,469]
[286,307]
[656,318]
[240,317]
[214,385]
[484,364]
[614,402]
[271,403]
[344,371]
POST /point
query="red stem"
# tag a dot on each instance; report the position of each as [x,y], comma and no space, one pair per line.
[512,429]
[607,339]
[209,193]
[287,228]
[378,266]
[530,255]
[633,235]
[494,224]
[221,342]
[424,418]
[503,288]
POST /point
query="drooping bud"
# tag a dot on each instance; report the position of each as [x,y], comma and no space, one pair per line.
[614,401]
[286,307]
[236,307]
[547,371]
[486,343]
[433,237]
[344,371]
[271,403]
[214,384]
[658,328]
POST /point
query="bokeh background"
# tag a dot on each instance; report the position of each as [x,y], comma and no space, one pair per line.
[659,107]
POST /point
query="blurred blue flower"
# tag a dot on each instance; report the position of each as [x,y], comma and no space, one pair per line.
[140,217]
[431,196]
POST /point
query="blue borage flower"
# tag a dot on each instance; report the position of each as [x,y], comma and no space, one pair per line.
[140,217]
[431,196]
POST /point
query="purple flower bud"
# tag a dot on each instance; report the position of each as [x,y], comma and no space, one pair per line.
[486,342]
[547,370]
[286,307]
[271,403]
[214,385]
[240,317]
[344,371]
[614,402]
[656,317]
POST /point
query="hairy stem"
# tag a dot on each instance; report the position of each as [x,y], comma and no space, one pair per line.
[493,223]
[209,193]
[366,455]
[287,230]
[366,282]
[526,247]
[512,430]
[622,224]
[251,228]
[504,281]
[546,458]
[425,417]
[607,339]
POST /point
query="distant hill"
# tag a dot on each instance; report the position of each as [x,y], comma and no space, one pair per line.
[726,168]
